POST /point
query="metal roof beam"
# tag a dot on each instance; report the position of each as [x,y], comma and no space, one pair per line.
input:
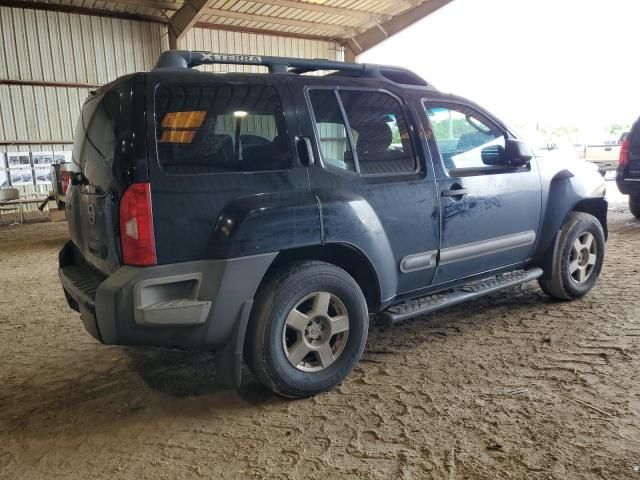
[262,31]
[315,7]
[100,12]
[184,19]
[381,31]
[297,4]
[337,30]
[154,4]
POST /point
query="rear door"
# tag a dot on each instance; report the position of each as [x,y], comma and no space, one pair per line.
[490,214]
[92,203]
[375,188]
[225,177]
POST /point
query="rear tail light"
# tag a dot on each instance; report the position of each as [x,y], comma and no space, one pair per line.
[624,153]
[136,226]
[65,180]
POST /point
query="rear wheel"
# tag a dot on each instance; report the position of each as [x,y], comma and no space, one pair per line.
[579,259]
[634,205]
[308,329]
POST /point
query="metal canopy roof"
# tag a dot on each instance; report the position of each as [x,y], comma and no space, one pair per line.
[358,24]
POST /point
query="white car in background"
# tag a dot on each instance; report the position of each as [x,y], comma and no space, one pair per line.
[605,155]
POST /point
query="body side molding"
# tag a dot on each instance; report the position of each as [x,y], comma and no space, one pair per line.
[418,261]
[486,247]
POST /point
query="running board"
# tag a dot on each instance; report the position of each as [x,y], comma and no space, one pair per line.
[420,306]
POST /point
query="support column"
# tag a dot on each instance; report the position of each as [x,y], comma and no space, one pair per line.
[182,21]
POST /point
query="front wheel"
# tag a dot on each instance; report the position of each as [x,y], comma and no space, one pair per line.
[308,329]
[579,258]
[634,205]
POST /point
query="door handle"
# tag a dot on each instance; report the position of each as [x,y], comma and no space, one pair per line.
[454,192]
[305,150]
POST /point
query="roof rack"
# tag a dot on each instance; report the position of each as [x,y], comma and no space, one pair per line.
[172,59]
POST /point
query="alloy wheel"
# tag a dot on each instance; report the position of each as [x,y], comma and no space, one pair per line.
[315,332]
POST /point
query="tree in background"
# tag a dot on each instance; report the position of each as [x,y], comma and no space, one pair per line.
[617,129]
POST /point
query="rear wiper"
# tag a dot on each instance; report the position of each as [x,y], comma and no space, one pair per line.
[78,178]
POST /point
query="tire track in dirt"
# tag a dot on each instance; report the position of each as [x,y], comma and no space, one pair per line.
[513,385]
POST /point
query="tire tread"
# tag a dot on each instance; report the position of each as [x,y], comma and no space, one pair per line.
[280,281]
[557,286]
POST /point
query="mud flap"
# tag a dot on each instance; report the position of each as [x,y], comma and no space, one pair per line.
[229,360]
[549,262]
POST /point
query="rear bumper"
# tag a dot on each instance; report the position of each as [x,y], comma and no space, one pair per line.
[605,165]
[627,186]
[194,305]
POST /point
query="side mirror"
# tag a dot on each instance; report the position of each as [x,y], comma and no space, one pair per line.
[493,155]
[517,153]
[514,154]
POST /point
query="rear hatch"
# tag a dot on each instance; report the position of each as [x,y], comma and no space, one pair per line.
[92,198]
[633,164]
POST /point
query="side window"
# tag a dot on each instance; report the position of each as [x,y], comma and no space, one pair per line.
[331,130]
[221,128]
[380,132]
[374,138]
[461,134]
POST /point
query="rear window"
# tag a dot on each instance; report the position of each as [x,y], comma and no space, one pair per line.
[634,139]
[220,128]
[95,139]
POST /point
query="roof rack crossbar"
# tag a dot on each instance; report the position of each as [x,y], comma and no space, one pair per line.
[175,59]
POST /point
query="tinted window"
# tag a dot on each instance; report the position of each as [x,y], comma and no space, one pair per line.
[221,128]
[377,127]
[96,137]
[634,139]
[461,134]
[380,132]
[331,130]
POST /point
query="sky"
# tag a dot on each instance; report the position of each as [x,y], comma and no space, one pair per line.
[530,62]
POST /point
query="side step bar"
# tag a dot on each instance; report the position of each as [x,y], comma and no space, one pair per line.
[420,306]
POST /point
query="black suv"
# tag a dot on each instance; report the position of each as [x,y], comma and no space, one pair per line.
[266,216]
[628,173]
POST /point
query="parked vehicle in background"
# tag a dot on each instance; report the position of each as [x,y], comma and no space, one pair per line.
[558,150]
[362,192]
[606,154]
[60,181]
[628,172]
[579,149]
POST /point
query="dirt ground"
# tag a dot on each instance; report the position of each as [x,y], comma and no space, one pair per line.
[511,386]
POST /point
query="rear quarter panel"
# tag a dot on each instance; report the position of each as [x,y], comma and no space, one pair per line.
[228,214]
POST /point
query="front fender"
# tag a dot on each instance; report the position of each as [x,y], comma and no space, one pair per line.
[568,186]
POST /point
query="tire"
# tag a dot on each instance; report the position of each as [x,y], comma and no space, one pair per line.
[291,297]
[579,260]
[634,205]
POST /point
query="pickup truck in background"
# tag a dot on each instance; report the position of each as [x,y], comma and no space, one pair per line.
[606,154]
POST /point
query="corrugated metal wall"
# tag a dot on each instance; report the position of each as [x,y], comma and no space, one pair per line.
[47,46]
